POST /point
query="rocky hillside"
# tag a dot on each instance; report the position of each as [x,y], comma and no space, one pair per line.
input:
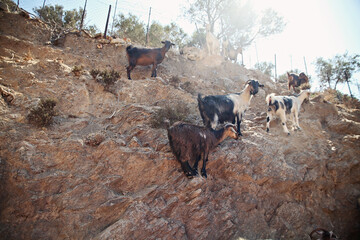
[101,171]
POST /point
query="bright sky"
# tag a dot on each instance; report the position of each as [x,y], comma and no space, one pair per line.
[315,28]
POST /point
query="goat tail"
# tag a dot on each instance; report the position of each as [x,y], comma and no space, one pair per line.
[270,99]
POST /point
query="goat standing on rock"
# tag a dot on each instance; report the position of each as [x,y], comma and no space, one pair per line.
[189,143]
[295,80]
[146,56]
[224,108]
[282,105]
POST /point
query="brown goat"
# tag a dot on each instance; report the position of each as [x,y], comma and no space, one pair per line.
[295,80]
[189,143]
[322,234]
[146,57]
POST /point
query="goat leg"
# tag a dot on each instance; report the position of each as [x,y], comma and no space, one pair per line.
[128,70]
[203,169]
[187,169]
[153,72]
[238,120]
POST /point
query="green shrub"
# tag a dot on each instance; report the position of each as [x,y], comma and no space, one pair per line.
[43,114]
[77,70]
[106,78]
[169,114]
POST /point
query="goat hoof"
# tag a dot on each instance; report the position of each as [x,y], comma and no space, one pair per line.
[288,134]
[240,134]
[267,130]
[203,173]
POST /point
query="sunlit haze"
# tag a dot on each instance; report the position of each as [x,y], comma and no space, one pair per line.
[321,28]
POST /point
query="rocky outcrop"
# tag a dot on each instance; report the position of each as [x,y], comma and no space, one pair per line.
[102,172]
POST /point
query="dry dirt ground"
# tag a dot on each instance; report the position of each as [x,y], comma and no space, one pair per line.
[100,171]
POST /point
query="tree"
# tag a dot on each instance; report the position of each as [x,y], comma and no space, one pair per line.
[198,38]
[92,29]
[175,34]
[234,20]
[345,66]
[51,14]
[339,69]
[130,27]
[265,67]
[72,18]
[58,18]
[325,71]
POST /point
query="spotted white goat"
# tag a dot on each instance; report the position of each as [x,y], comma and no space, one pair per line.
[226,108]
[285,105]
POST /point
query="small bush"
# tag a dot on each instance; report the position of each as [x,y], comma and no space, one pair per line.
[77,70]
[94,73]
[174,81]
[169,114]
[43,114]
[106,78]
[110,77]
[188,87]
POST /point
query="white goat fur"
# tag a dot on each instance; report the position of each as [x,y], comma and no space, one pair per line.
[282,108]
[212,43]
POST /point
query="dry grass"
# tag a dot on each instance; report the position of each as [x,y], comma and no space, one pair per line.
[106,78]
[169,114]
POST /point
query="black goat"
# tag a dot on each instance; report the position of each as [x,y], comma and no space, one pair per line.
[224,108]
[189,143]
[146,56]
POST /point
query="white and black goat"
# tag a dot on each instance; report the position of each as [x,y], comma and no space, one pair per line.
[146,56]
[322,234]
[225,108]
[285,105]
[190,143]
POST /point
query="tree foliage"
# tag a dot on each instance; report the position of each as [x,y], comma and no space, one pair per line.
[338,70]
[131,27]
[265,67]
[58,18]
[325,71]
[234,20]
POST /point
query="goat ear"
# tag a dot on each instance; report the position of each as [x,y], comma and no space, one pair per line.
[261,85]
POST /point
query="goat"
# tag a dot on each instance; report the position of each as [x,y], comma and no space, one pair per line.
[295,80]
[233,53]
[212,43]
[146,56]
[224,108]
[282,105]
[323,234]
[190,143]
[225,49]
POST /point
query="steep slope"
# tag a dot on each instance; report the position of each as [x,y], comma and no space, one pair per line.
[55,184]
